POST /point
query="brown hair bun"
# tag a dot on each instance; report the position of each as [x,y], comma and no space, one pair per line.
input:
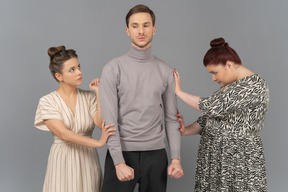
[219,42]
[220,52]
[52,51]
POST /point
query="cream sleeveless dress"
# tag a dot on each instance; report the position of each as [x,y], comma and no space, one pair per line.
[71,167]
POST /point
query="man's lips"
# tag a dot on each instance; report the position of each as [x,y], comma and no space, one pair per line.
[141,38]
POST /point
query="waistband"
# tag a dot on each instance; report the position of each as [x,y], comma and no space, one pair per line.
[59,141]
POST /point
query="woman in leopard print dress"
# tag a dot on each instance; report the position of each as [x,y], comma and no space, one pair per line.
[231,155]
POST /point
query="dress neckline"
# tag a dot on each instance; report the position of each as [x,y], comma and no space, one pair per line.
[77,94]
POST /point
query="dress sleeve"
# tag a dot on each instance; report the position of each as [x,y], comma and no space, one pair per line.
[46,110]
[202,121]
[214,105]
[208,109]
[204,103]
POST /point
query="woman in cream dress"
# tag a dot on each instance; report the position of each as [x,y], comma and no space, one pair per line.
[71,115]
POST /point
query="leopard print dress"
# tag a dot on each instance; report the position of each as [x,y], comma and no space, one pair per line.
[231,155]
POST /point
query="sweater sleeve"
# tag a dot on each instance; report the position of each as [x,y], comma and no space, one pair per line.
[171,123]
[109,109]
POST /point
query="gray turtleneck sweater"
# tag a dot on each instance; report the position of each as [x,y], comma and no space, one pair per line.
[134,91]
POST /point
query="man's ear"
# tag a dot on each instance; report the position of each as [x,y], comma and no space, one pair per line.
[127,31]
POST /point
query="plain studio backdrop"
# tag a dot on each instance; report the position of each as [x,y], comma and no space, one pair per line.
[256,29]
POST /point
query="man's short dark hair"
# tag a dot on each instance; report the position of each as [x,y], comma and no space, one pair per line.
[140,9]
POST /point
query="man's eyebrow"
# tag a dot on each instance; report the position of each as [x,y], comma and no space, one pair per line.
[145,23]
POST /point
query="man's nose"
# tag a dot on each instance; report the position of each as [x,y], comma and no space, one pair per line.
[141,30]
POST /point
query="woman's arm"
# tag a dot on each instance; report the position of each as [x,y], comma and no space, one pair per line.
[98,118]
[192,129]
[191,100]
[58,128]
[94,85]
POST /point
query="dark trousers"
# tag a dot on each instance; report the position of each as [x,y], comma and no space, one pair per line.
[150,171]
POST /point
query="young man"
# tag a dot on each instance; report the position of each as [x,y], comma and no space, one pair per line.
[134,91]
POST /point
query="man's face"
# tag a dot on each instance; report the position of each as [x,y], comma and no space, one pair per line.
[141,30]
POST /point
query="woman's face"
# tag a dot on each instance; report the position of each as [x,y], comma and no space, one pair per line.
[71,73]
[222,74]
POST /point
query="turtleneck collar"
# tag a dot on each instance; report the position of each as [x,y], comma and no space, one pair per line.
[141,55]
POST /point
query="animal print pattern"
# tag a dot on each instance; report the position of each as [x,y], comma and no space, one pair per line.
[231,155]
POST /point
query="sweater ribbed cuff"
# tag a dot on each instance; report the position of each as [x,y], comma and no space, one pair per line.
[175,154]
[117,157]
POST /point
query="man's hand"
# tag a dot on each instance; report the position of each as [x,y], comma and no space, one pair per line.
[124,172]
[175,169]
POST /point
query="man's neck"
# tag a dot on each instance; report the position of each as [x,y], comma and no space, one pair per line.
[142,55]
[141,48]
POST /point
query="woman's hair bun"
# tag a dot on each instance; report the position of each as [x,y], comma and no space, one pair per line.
[52,51]
[219,42]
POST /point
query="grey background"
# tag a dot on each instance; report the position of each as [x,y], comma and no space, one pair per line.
[257,29]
